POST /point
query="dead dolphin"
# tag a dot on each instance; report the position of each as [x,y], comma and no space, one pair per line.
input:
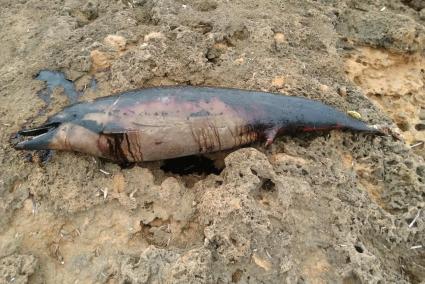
[169,122]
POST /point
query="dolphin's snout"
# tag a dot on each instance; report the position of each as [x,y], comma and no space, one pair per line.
[42,137]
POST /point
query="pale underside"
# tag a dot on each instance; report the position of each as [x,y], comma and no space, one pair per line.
[166,129]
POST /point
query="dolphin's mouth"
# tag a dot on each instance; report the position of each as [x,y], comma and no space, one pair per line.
[39,130]
[39,137]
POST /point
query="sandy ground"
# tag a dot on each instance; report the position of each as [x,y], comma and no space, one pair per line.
[316,208]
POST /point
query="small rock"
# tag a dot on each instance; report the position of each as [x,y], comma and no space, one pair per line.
[100,60]
[139,2]
[422,114]
[324,88]
[118,183]
[342,91]
[279,41]
[282,158]
[154,36]
[278,81]
[239,61]
[279,38]
[402,121]
[263,263]
[90,10]
[115,41]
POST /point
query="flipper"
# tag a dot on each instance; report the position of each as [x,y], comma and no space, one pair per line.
[271,135]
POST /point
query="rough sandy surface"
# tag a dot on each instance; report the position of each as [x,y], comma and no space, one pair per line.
[316,208]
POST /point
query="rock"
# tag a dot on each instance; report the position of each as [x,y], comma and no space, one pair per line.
[115,41]
[422,114]
[342,91]
[118,183]
[154,36]
[324,88]
[279,38]
[278,81]
[90,10]
[239,61]
[279,41]
[100,60]
[262,262]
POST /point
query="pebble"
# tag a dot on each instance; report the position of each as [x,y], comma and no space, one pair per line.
[342,91]
[261,262]
[324,88]
[154,36]
[100,60]
[279,37]
[116,42]
[422,114]
[278,81]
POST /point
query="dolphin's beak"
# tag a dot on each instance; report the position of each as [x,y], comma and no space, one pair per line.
[43,136]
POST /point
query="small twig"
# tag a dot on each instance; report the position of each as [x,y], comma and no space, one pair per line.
[132,193]
[416,247]
[414,219]
[105,192]
[104,172]
[268,254]
[417,144]
[34,206]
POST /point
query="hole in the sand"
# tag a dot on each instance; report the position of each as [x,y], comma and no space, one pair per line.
[190,165]
[268,185]
[359,248]
[233,241]
[420,127]
[420,171]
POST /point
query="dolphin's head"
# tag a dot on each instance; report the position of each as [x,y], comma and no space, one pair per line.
[67,130]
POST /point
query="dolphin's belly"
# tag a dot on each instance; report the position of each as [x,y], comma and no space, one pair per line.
[202,135]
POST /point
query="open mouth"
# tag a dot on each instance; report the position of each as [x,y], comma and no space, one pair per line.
[40,137]
[39,130]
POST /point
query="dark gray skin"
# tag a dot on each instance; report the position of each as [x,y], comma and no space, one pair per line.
[169,122]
